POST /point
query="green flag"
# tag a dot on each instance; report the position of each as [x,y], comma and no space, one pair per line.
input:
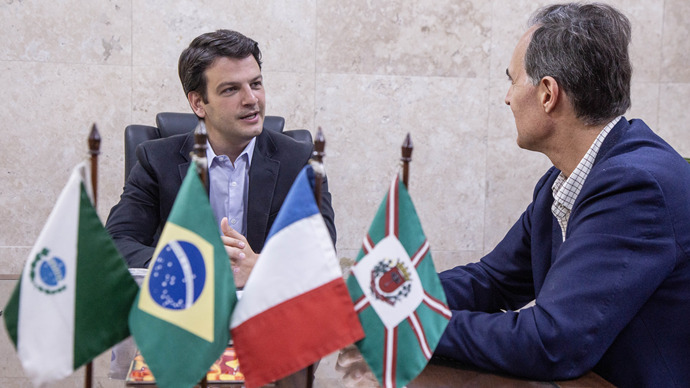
[180,318]
[397,293]
[72,299]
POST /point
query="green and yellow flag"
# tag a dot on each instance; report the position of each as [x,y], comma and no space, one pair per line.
[180,318]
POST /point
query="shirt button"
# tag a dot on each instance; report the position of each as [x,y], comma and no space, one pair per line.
[233,221]
[233,184]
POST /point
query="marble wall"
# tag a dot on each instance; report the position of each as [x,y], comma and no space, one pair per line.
[367,72]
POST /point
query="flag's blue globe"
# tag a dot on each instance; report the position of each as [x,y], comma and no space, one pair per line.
[52,271]
[178,275]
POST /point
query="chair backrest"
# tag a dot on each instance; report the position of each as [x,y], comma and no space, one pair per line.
[174,123]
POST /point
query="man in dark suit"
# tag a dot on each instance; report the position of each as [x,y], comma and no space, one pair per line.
[603,250]
[250,169]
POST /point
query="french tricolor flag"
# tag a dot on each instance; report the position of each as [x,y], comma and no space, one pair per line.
[295,308]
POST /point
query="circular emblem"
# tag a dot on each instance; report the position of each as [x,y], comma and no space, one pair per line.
[178,275]
[390,282]
[48,273]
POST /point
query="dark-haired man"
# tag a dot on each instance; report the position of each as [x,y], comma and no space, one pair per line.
[603,249]
[250,170]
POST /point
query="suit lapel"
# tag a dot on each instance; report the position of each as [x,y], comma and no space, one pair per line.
[186,148]
[263,176]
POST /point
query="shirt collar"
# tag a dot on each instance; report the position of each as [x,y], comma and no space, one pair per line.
[248,150]
[566,189]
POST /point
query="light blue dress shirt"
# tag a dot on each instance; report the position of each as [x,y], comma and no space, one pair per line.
[229,186]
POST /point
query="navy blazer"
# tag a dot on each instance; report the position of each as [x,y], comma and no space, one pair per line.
[614,297]
[136,222]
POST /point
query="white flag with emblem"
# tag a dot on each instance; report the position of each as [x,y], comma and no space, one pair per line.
[73,298]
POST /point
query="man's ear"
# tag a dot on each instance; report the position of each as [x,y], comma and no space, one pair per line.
[548,94]
[196,103]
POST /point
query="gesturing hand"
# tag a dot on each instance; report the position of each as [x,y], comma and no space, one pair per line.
[242,257]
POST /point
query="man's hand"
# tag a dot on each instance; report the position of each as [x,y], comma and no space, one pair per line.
[242,257]
[355,371]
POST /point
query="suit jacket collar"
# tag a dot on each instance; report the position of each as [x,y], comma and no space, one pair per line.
[612,139]
[185,150]
[263,176]
[264,146]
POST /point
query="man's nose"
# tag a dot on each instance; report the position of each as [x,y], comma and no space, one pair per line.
[248,96]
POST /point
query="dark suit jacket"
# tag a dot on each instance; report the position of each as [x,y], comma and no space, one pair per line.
[613,297]
[136,222]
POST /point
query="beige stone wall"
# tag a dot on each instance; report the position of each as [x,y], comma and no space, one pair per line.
[367,72]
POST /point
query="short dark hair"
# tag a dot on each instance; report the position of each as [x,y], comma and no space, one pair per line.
[205,49]
[584,47]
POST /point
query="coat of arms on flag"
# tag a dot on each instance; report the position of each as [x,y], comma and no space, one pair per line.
[397,293]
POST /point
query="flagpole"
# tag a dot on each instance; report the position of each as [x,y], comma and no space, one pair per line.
[319,172]
[199,153]
[94,150]
[406,158]
[201,165]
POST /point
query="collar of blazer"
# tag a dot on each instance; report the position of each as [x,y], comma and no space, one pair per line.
[265,148]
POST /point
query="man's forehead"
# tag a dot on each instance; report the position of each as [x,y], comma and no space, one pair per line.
[518,57]
[225,69]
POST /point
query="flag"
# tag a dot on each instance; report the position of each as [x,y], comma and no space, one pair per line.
[397,293]
[180,317]
[295,308]
[73,297]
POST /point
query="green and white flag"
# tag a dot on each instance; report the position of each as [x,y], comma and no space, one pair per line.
[180,319]
[73,297]
[397,293]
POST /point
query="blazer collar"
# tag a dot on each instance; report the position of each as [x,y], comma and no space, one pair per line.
[263,177]
[264,146]
[612,139]
[187,147]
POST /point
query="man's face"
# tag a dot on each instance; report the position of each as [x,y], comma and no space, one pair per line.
[234,113]
[523,99]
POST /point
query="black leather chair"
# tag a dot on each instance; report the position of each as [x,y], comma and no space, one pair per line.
[174,123]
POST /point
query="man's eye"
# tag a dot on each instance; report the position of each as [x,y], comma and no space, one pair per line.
[257,84]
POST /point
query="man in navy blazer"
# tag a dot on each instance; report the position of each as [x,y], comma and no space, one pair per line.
[250,169]
[603,249]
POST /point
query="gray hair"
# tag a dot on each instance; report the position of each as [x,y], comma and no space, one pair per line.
[584,47]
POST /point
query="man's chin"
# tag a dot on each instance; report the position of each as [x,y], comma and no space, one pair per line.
[252,132]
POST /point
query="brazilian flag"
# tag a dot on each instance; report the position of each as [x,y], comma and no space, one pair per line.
[180,317]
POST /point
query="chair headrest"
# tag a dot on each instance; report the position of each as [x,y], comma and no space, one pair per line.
[174,123]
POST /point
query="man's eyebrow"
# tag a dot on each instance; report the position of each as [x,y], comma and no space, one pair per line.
[224,84]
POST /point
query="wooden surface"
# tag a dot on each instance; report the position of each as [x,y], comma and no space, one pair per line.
[441,373]
[445,375]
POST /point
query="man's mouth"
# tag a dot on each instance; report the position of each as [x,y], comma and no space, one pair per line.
[249,116]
